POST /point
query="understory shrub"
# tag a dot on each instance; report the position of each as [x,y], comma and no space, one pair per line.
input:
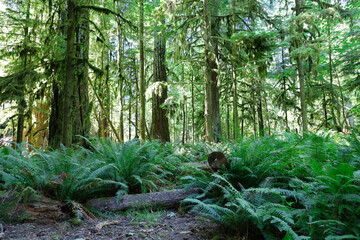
[286,187]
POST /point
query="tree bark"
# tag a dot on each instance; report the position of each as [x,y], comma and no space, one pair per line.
[22,103]
[81,125]
[69,76]
[234,87]
[121,78]
[168,199]
[160,122]
[142,72]
[212,104]
[192,107]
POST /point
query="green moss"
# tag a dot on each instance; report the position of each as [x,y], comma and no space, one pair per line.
[9,207]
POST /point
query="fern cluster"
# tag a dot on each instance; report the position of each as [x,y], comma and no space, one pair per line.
[104,170]
[286,187]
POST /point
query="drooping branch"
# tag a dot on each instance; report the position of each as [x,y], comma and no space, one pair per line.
[108,11]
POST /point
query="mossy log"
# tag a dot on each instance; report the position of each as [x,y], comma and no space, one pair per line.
[15,207]
[167,199]
[43,210]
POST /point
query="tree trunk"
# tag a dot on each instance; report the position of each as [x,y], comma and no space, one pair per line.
[136,102]
[325,111]
[192,107]
[142,71]
[212,106]
[121,78]
[234,88]
[184,120]
[336,122]
[22,103]
[168,199]
[262,75]
[81,125]
[300,66]
[69,76]
[228,121]
[160,122]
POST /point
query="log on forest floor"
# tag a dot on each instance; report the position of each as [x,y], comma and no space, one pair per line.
[167,199]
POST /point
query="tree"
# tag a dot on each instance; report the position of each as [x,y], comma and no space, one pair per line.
[142,71]
[212,95]
[160,123]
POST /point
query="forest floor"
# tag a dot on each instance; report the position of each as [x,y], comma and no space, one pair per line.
[164,224]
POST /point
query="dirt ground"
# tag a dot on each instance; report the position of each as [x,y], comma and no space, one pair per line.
[134,225]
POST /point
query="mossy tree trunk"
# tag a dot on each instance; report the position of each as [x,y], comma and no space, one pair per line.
[212,95]
[70,112]
[160,122]
[68,108]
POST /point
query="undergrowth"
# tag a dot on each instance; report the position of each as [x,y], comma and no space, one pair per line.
[286,187]
[278,187]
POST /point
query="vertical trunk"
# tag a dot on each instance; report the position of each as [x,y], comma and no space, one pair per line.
[69,76]
[129,118]
[106,109]
[192,107]
[21,119]
[262,75]
[260,111]
[22,103]
[183,108]
[120,76]
[212,106]
[242,122]
[184,121]
[81,125]
[325,110]
[300,66]
[284,86]
[228,121]
[234,88]
[55,125]
[160,123]
[142,72]
[253,107]
[136,102]
[336,121]
[174,128]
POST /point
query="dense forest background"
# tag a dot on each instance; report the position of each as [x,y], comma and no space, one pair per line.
[179,71]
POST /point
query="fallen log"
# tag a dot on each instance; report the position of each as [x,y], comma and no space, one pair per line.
[167,199]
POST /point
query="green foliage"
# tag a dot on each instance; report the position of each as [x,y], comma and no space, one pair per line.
[82,174]
[61,174]
[287,186]
[135,164]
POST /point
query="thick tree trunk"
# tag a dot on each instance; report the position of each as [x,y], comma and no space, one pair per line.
[160,122]
[81,125]
[22,103]
[69,76]
[212,105]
